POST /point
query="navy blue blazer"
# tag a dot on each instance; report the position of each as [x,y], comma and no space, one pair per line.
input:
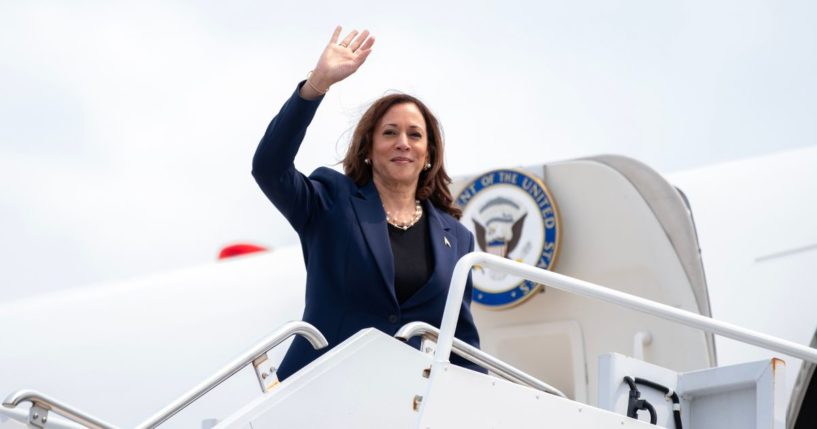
[346,247]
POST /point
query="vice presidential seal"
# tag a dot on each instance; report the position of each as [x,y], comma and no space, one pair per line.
[511,214]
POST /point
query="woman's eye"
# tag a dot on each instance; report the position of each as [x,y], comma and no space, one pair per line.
[389,133]
[416,135]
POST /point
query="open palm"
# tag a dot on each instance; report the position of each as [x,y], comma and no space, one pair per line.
[341,59]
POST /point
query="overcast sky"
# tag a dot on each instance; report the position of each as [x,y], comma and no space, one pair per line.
[127,129]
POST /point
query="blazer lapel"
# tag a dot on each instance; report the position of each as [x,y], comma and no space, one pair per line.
[442,241]
[444,247]
[372,220]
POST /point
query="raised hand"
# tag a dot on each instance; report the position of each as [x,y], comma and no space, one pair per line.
[338,61]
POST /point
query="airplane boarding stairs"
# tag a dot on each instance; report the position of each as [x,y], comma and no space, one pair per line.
[372,380]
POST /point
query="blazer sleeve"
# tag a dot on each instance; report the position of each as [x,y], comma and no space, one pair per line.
[296,196]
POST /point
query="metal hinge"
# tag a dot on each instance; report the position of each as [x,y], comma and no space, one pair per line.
[265,373]
[37,416]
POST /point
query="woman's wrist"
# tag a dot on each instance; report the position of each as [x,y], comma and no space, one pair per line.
[321,82]
[314,87]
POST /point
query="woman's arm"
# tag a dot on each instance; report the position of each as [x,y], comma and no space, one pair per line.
[273,164]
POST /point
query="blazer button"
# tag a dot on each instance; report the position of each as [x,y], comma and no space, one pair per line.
[393,318]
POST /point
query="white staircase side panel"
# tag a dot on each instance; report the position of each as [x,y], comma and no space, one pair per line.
[368,381]
[375,381]
[460,398]
[748,395]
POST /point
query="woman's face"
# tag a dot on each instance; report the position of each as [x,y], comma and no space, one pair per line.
[400,146]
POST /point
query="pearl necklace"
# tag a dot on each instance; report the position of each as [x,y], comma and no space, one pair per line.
[418,213]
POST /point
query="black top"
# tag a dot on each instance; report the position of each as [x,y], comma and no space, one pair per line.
[413,258]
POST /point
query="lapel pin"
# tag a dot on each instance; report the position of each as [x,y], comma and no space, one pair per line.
[445,240]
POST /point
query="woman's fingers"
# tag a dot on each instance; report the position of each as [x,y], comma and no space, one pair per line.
[367,46]
[348,39]
[335,35]
[362,55]
[359,40]
[341,59]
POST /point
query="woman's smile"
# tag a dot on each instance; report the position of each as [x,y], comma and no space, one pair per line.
[400,147]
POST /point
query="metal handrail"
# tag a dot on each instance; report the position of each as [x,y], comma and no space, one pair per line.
[48,403]
[479,357]
[37,399]
[591,290]
[289,329]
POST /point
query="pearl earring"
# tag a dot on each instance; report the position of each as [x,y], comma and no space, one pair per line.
[428,165]
[367,161]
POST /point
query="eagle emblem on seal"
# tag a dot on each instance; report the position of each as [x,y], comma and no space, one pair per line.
[501,233]
[512,215]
